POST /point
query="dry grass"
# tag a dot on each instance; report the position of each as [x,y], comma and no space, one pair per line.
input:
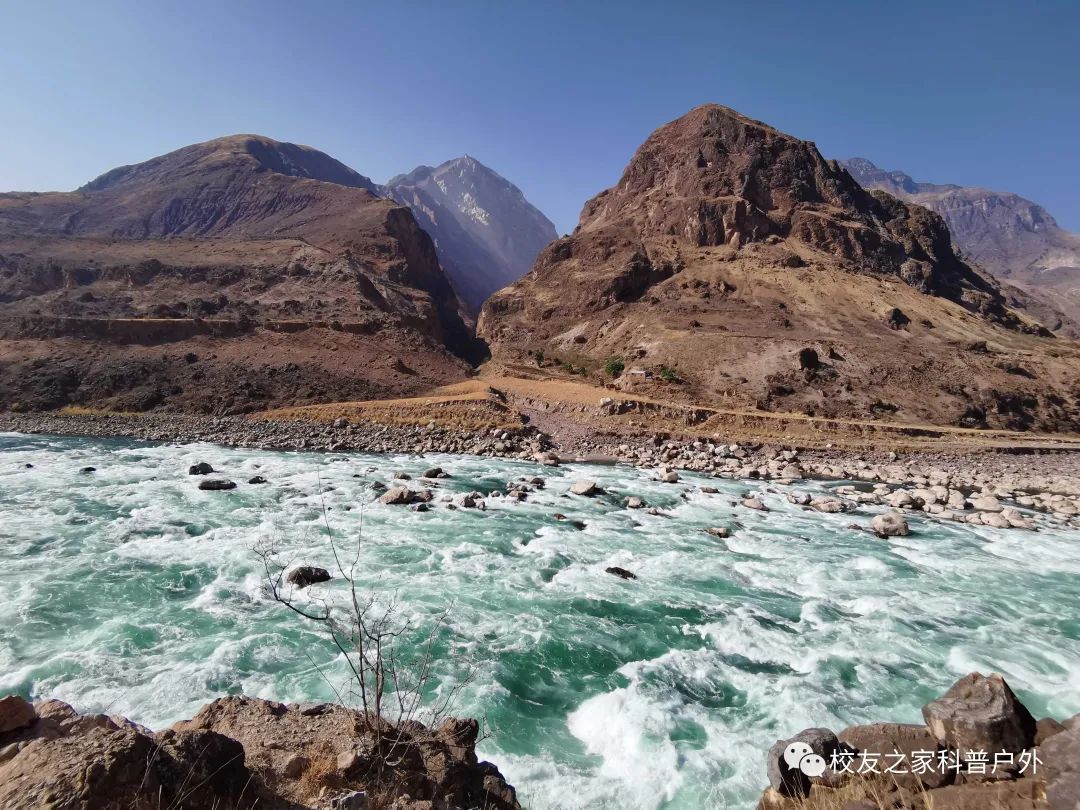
[464,406]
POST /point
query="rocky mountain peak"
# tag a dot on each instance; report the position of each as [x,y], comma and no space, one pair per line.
[485,231]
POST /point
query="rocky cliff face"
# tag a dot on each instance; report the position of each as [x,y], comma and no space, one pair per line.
[486,233]
[727,248]
[173,283]
[1012,238]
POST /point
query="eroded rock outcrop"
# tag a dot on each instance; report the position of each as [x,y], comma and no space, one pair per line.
[240,752]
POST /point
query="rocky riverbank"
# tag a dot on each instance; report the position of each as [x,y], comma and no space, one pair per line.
[241,752]
[1001,489]
[979,748]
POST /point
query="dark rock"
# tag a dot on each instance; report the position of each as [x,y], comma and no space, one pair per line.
[306,575]
[808,359]
[980,713]
[792,781]
[621,572]
[434,472]
[202,468]
[897,319]
[88,469]
[216,484]
[256,479]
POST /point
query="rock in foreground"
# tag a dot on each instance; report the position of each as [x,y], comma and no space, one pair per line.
[240,752]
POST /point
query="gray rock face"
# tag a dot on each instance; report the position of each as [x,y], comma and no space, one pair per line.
[980,713]
[1060,756]
[485,232]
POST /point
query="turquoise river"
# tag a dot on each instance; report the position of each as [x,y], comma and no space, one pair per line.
[128,590]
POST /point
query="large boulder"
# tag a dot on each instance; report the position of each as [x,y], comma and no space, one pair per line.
[587,488]
[304,575]
[202,468]
[397,495]
[980,713]
[889,524]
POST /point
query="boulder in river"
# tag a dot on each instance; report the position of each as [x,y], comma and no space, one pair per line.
[621,572]
[587,488]
[634,502]
[889,524]
[202,468]
[397,495]
[216,484]
[754,503]
[256,479]
[304,575]
[719,531]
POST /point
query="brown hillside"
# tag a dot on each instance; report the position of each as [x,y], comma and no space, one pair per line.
[761,275]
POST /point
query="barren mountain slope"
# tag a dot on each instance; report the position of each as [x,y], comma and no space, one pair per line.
[735,259]
[1013,238]
[224,276]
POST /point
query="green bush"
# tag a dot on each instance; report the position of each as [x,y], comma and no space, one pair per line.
[668,374]
[614,367]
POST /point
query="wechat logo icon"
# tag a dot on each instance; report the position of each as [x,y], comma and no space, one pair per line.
[800,756]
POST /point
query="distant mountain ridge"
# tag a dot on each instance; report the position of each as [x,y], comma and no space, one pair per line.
[1011,237]
[228,275]
[486,233]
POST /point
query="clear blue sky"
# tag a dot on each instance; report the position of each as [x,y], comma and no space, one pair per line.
[555,96]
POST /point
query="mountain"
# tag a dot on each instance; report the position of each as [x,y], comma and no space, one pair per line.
[486,233]
[228,275]
[745,270]
[1012,238]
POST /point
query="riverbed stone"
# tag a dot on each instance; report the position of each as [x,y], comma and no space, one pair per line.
[889,524]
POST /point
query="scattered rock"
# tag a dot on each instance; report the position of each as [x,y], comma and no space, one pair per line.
[256,479]
[621,572]
[634,502]
[202,468]
[397,495]
[306,575]
[754,503]
[434,472]
[587,488]
[217,484]
[719,531]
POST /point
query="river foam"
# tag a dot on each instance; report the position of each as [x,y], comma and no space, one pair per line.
[129,590]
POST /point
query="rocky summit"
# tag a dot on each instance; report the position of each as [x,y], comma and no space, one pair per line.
[486,233]
[732,263]
[1015,239]
[224,276]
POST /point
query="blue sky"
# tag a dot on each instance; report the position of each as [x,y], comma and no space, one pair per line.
[555,96]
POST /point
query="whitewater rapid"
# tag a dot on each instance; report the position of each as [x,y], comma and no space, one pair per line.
[127,590]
